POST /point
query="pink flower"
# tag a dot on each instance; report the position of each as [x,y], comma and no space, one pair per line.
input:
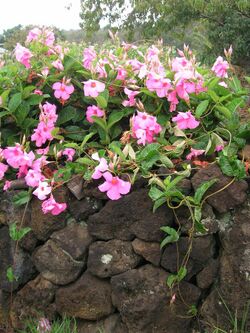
[89,55]
[223,84]
[7,185]
[33,178]
[220,67]
[93,111]
[38,92]
[58,65]
[23,55]
[53,207]
[114,186]
[69,152]
[99,169]
[43,326]
[3,169]
[48,113]
[93,88]
[144,127]
[42,190]
[121,74]
[194,153]
[42,151]
[131,95]
[185,120]
[16,157]
[42,133]
[219,148]
[158,84]
[45,71]
[33,35]
[63,90]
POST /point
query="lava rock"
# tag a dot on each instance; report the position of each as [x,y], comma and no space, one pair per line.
[128,217]
[23,268]
[230,197]
[208,275]
[88,298]
[143,301]
[203,249]
[111,324]
[55,264]
[34,298]
[74,239]
[82,209]
[110,258]
[150,251]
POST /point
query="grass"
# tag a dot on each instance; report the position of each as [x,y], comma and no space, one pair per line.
[65,325]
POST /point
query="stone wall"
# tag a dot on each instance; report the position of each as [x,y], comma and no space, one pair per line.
[101,261]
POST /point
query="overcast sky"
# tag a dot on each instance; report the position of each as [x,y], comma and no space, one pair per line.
[40,12]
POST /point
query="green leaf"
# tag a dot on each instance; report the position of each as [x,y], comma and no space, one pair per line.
[114,118]
[166,161]
[21,198]
[75,133]
[155,193]
[100,122]
[16,234]
[66,115]
[4,113]
[115,147]
[55,134]
[224,111]
[85,161]
[213,95]
[102,99]
[27,91]
[159,202]
[34,99]
[62,174]
[172,237]
[182,272]
[172,278]
[202,189]
[232,167]
[10,275]
[14,102]
[86,139]
[201,108]
[22,112]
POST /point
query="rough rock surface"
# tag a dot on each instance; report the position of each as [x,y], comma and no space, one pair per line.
[223,201]
[150,251]
[208,274]
[74,239]
[143,301]
[23,268]
[55,264]
[129,217]
[202,251]
[110,258]
[84,208]
[111,324]
[88,298]
[234,273]
[34,298]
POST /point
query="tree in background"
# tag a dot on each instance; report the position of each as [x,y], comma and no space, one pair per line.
[209,24]
[18,34]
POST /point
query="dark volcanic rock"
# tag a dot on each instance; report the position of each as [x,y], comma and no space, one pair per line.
[74,239]
[233,195]
[44,225]
[207,276]
[84,208]
[128,217]
[111,324]
[203,249]
[55,264]
[148,250]
[233,285]
[23,268]
[111,258]
[88,298]
[34,298]
[143,301]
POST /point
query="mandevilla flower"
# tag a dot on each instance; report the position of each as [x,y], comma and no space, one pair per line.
[194,153]
[23,55]
[185,120]
[114,186]
[44,326]
[58,65]
[99,169]
[89,55]
[63,90]
[93,88]
[69,152]
[131,97]
[3,169]
[220,67]
[144,127]
[7,185]
[93,111]
[42,190]
[53,207]
[33,178]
